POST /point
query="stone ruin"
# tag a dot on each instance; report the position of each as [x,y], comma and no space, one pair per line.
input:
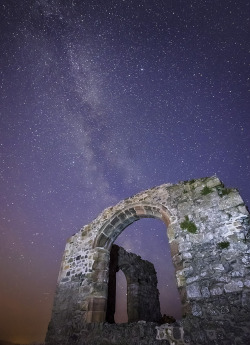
[142,293]
[208,228]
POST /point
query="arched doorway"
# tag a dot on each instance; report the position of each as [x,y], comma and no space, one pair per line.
[148,239]
[109,233]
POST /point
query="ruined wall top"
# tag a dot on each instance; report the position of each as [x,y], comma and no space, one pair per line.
[135,268]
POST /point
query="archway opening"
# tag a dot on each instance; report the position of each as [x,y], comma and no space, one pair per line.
[121,313]
[147,238]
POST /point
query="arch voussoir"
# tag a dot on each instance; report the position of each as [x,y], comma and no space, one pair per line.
[124,217]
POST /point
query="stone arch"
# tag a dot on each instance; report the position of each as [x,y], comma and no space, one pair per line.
[208,231]
[114,226]
[109,232]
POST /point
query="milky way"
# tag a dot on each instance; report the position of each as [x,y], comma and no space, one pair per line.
[101,100]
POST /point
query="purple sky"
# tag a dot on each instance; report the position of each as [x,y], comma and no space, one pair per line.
[100,100]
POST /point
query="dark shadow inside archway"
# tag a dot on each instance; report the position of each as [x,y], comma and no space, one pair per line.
[147,238]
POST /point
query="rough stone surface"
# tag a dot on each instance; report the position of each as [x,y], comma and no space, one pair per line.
[174,334]
[212,267]
[139,333]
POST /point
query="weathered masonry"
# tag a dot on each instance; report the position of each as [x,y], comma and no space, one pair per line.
[209,233]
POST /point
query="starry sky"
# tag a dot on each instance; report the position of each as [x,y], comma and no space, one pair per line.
[101,99]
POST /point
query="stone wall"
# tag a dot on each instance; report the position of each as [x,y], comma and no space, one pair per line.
[139,333]
[142,293]
[208,231]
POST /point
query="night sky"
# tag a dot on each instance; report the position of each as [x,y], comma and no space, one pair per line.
[101,99]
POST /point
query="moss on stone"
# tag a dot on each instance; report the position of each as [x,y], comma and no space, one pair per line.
[223,244]
[206,190]
[189,181]
[188,225]
[223,191]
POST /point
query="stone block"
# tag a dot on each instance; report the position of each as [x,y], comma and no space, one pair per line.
[140,211]
[247,283]
[102,240]
[187,255]
[174,248]
[122,216]
[234,286]
[115,222]
[218,267]
[181,280]
[188,270]
[130,213]
[108,230]
[196,310]
[216,290]
[243,210]
[238,272]
[178,263]
[192,279]
[171,232]
[128,221]
[213,182]
[193,291]
[183,294]
[231,200]
[205,292]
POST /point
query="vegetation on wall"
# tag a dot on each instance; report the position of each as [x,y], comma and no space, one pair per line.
[206,190]
[223,191]
[223,244]
[188,225]
[189,181]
